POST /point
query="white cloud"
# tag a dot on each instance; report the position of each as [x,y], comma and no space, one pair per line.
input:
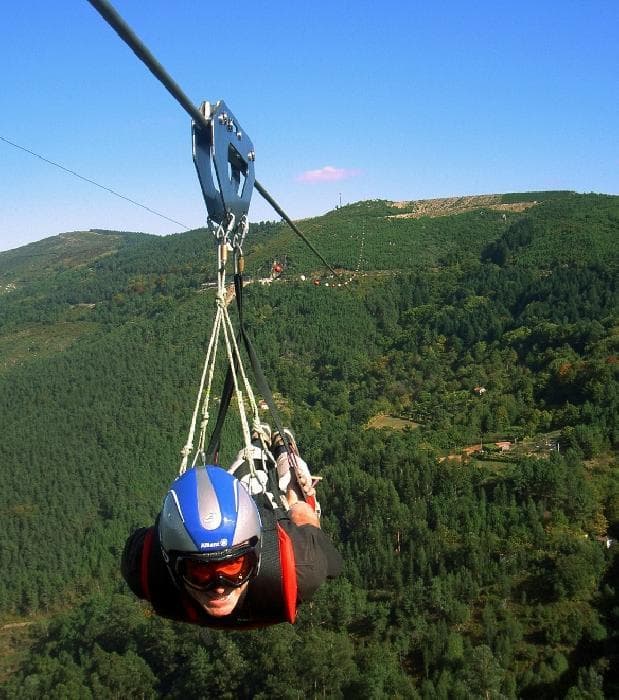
[327,174]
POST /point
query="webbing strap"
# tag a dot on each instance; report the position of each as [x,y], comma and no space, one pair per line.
[273,592]
[289,574]
[212,452]
[261,382]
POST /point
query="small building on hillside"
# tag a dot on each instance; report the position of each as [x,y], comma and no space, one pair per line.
[479,390]
[504,445]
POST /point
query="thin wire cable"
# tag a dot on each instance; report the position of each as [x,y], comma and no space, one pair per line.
[124,31]
[92,182]
[291,223]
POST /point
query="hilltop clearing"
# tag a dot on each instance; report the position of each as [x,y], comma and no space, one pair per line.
[457,205]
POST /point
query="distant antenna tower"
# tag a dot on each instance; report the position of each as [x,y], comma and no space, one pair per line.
[340,200]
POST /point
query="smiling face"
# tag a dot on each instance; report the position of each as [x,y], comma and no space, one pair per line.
[220,601]
[218,585]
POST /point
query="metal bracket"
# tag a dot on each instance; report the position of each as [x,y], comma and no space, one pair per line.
[224,158]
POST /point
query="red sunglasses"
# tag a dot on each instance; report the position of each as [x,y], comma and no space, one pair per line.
[206,575]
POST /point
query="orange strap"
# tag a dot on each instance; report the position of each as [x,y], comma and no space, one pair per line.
[289,574]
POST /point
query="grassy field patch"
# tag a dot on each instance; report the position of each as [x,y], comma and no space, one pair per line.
[390,422]
[39,341]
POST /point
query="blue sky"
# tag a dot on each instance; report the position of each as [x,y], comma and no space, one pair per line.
[412,101]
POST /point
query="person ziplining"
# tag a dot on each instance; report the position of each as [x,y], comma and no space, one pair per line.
[220,557]
[240,548]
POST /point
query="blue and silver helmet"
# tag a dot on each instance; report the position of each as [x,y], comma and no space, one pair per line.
[207,514]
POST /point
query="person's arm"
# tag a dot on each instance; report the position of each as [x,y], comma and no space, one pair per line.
[316,559]
[131,561]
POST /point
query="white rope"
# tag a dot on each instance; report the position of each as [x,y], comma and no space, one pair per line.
[207,393]
[209,367]
[233,352]
[223,322]
[221,307]
[186,451]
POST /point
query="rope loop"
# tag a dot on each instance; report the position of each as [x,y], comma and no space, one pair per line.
[229,238]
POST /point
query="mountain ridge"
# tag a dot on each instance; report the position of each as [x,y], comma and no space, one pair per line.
[74,277]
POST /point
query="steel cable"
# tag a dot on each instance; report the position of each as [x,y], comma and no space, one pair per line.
[124,31]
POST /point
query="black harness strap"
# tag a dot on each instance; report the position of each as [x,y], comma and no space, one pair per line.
[265,591]
[261,382]
[212,451]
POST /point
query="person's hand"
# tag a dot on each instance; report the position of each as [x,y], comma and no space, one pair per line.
[301,513]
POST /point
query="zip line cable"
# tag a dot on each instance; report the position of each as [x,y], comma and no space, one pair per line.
[92,182]
[124,31]
[291,223]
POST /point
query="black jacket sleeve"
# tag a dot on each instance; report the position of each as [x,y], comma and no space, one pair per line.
[316,559]
[131,561]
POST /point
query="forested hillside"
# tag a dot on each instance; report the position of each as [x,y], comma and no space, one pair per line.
[456,387]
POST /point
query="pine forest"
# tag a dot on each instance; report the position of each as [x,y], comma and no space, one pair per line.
[454,385]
